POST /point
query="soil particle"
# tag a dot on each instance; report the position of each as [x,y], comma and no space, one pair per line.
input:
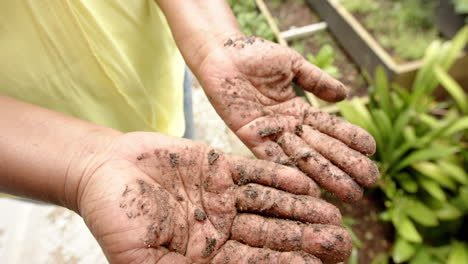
[142,156]
[269,131]
[205,185]
[212,157]
[307,155]
[269,153]
[179,198]
[228,42]
[243,179]
[174,158]
[339,237]
[250,40]
[142,186]
[200,215]
[251,192]
[298,131]
[210,246]
[125,191]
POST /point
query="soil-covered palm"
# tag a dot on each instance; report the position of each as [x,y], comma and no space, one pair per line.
[160,199]
[249,82]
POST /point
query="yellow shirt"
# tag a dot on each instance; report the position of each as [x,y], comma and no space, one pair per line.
[112,62]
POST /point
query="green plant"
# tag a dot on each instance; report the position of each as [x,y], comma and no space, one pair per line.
[461,6]
[251,21]
[324,60]
[348,222]
[403,27]
[422,156]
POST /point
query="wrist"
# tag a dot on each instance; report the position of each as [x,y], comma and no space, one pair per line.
[90,152]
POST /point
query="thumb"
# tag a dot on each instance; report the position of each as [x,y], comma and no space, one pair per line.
[311,78]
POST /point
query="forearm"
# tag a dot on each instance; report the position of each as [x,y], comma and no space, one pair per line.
[44,154]
[199,26]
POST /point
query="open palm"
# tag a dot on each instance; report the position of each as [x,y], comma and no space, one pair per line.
[160,199]
[249,82]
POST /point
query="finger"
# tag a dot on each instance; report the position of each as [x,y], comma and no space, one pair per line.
[320,169]
[315,80]
[267,128]
[260,199]
[352,135]
[327,242]
[271,151]
[360,167]
[267,173]
[234,252]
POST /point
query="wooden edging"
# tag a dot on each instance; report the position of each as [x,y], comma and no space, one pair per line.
[365,50]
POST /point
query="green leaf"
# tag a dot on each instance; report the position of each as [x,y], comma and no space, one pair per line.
[458,254]
[432,188]
[456,172]
[355,239]
[422,257]
[421,213]
[429,120]
[381,258]
[402,251]
[348,111]
[405,228]
[354,258]
[456,46]
[460,125]
[399,152]
[397,131]
[441,130]
[409,133]
[431,153]
[407,182]
[453,88]
[382,91]
[384,124]
[434,172]
[448,212]
[424,75]
[389,188]
[356,112]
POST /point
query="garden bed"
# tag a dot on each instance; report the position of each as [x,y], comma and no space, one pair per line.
[347,72]
[364,48]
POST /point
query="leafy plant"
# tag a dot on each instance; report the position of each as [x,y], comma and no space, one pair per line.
[461,6]
[422,157]
[324,60]
[404,27]
[251,21]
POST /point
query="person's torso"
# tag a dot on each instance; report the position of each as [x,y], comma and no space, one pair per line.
[112,62]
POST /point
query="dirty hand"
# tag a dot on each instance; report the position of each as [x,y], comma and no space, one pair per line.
[248,81]
[160,199]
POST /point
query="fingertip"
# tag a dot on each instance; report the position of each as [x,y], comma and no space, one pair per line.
[331,244]
[314,189]
[320,83]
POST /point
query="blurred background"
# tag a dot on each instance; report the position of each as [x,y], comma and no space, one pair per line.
[406,65]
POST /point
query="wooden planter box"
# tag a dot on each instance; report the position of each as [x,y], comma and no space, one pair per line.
[365,50]
[448,22]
